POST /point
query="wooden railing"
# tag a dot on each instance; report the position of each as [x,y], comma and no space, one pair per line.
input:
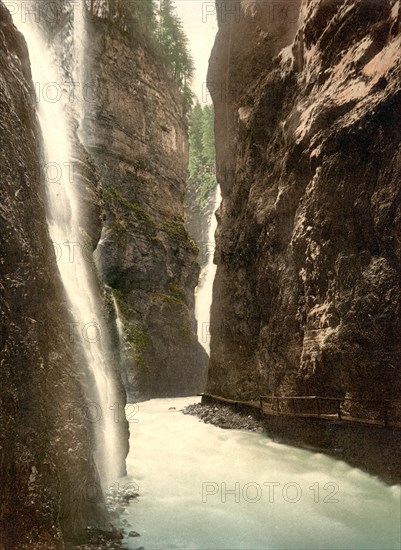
[378,412]
[367,411]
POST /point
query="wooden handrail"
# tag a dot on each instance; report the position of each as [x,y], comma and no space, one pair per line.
[359,400]
[319,413]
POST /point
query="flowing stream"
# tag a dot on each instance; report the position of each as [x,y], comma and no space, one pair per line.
[66,225]
[205,488]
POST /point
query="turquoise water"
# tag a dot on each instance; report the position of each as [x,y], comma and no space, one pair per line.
[205,488]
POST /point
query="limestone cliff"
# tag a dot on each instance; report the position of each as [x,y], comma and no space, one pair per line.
[46,443]
[135,131]
[307,298]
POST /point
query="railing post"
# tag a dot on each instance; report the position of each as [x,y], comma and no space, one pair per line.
[293,406]
[261,403]
[339,409]
[318,405]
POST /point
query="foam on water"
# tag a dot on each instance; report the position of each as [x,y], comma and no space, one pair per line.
[173,456]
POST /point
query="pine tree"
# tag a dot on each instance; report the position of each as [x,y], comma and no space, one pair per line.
[196,140]
[202,155]
[208,134]
[161,31]
[174,45]
[146,11]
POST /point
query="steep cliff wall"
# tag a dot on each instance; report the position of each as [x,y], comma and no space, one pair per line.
[199,219]
[307,296]
[46,441]
[135,131]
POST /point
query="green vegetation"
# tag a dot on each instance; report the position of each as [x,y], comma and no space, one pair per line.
[174,227]
[121,304]
[167,299]
[174,45]
[114,196]
[176,296]
[135,335]
[186,332]
[161,30]
[138,340]
[202,153]
[177,292]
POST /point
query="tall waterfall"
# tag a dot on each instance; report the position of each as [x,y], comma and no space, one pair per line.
[203,298]
[65,221]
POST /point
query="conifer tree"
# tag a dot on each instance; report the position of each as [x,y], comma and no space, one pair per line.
[161,30]
[202,155]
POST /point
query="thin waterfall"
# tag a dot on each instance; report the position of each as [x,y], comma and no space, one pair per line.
[119,323]
[123,349]
[65,223]
[204,290]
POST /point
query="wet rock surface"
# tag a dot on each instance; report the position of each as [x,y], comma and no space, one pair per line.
[307,297]
[117,499]
[46,457]
[136,133]
[224,417]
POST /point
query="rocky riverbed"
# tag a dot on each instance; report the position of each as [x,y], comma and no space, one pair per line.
[224,417]
[117,499]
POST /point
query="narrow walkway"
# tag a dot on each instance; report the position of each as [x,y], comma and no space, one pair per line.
[385,413]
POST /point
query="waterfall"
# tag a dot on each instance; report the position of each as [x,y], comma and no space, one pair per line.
[204,290]
[119,323]
[65,222]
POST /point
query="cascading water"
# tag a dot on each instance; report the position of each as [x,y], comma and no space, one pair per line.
[119,323]
[221,489]
[204,290]
[66,227]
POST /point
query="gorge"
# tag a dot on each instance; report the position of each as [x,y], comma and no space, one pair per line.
[107,262]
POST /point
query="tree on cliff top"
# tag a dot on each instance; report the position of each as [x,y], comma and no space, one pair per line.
[161,30]
[132,16]
[202,153]
[174,45]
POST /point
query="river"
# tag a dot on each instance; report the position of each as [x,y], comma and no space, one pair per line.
[205,488]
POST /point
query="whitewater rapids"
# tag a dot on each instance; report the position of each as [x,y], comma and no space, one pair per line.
[205,488]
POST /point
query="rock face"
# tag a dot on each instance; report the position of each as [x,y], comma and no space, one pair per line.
[307,298]
[132,184]
[199,220]
[136,133]
[46,443]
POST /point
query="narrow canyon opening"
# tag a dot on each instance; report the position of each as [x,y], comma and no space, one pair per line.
[199,274]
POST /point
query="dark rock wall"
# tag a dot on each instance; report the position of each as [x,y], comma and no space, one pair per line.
[46,447]
[136,133]
[307,295]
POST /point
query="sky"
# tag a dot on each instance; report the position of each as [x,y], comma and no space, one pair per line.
[200,25]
